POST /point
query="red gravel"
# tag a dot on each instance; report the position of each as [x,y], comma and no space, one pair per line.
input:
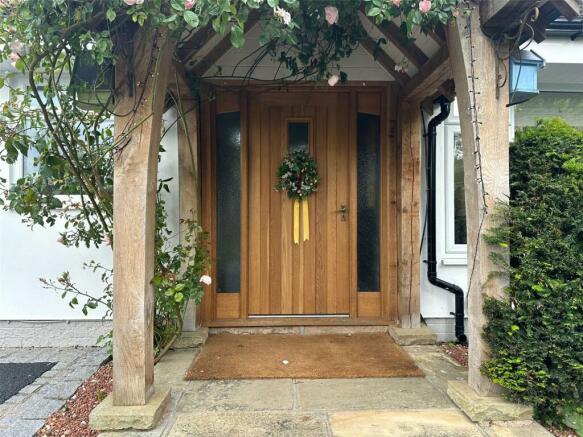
[458,352]
[72,420]
[567,432]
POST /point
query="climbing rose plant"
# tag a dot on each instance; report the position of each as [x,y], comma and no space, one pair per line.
[73,145]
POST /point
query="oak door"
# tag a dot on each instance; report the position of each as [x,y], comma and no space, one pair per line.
[312,277]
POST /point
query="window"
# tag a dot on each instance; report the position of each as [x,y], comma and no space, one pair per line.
[298,135]
[453,220]
[459,201]
[29,166]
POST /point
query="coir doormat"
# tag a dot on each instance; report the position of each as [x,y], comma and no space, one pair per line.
[262,356]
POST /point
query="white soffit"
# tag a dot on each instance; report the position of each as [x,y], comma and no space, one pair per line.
[359,66]
[557,50]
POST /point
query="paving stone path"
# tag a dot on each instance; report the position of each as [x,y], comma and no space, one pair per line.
[359,407]
[25,412]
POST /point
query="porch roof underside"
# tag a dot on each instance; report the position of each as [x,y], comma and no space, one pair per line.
[204,51]
[424,58]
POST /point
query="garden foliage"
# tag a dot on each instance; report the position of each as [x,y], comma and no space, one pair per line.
[536,331]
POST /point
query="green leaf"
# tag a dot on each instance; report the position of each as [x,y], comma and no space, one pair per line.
[191,18]
[20,65]
[373,12]
[237,37]
[177,5]
[179,297]
[111,14]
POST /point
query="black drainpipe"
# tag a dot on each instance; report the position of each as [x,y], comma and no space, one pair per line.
[431,220]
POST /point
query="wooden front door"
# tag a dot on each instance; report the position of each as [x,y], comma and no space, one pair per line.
[346,272]
[312,277]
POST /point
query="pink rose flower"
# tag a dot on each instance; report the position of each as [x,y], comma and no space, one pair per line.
[331,15]
[206,279]
[397,3]
[333,80]
[424,6]
[130,2]
[189,4]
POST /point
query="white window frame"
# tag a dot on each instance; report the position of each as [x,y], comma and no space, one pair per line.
[452,249]
[450,252]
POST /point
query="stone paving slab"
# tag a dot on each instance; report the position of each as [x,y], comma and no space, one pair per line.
[19,427]
[37,407]
[56,389]
[516,429]
[249,424]
[438,367]
[369,394]
[250,395]
[433,423]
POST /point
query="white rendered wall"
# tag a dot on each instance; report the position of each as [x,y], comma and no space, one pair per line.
[29,254]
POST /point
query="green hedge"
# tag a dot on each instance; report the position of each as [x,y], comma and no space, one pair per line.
[536,332]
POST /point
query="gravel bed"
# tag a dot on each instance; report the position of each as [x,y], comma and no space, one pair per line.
[458,352]
[73,418]
[567,432]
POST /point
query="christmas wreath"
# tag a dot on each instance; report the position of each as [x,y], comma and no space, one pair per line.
[298,175]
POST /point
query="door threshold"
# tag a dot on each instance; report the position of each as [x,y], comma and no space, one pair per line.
[298,316]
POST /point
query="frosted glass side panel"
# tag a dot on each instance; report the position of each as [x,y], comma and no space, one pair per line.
[369,198]
[228,209]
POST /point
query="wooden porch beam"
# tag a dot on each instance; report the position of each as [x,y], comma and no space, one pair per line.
[188,48]
[429,78]
[570,9]
[221,48]
[438,35]
[138,132]
[394,35]
[496,15]
[384,59]
[483,113]
[408,302]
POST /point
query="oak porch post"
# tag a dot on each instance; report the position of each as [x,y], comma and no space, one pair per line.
[408,223]
[141,87]
[188,169]
[484,127]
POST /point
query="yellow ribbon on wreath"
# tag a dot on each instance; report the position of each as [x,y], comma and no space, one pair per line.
[298,176]
[305,220]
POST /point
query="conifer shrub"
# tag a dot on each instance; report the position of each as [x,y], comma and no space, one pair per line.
[536,331]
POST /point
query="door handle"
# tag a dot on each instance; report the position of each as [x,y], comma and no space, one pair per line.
[342,211]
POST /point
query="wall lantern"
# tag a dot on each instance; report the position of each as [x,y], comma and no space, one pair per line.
[524,66]
[92,83]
